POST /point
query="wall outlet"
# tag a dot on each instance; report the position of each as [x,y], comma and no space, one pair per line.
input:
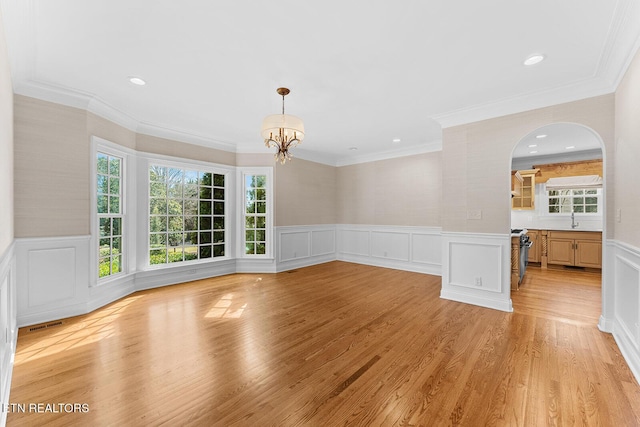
[478,281]
[474,214]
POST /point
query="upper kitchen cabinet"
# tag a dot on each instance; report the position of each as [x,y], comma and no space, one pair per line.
[524,189]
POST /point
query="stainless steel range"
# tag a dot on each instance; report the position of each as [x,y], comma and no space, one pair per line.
[525,245]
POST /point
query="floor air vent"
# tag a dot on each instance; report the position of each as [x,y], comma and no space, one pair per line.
[45,326]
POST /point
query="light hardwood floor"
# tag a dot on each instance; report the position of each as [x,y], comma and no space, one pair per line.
[334,344]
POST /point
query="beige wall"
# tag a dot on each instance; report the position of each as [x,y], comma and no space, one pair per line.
[6,147]
[400,191]
[51,169]
[305,193]
[627,152]
[168,147]
[476,161]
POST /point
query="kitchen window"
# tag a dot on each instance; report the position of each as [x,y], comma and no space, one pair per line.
[578,200]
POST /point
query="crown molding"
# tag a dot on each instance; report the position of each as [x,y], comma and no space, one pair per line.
[623,41]
[184,136]
[391,154]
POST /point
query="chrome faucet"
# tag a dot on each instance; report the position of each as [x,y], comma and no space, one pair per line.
[573,223]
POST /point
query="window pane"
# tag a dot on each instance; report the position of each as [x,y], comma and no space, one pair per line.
[261,195]
[205,208]
[205,193]
[116,264]
[103,164]
[218,250]
[158,206]
[260,249]
[260,235]
[175,223]
[105,227]
[205,251]
[218,237]
[158,224]
[104,267]
[190,192]
[114,204]
[114,185]
[250,207]
[218,180]
[578,209]
[174,239]
[592,209]
[114,166]
[250,235]
[591,200]
[103,184]
[157,256]
[205,237]
[250,222]
[116,245]
[205,178]
[261,181]
[175,254]
[191,239]
[260,222]
[117,226]
[190,223]
[158,174]
[174,207]
[175,190]
[103,204]
[218,193]
[250,248]
[218,222]
[218,208]
[158,240]
[261,207]
[205,223]
[190,177]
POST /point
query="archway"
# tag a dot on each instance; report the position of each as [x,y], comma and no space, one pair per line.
[563,150]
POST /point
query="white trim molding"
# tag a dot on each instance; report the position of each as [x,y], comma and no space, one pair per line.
[8,325]
[416,249]
[305,245]
[476,269]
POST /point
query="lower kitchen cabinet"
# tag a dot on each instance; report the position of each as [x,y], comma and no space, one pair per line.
[575,248]
[534,251]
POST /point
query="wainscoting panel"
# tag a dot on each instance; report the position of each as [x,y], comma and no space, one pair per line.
[53,274]
[404,248]
[8,325]
[476,269]
[626,294]
[304,245]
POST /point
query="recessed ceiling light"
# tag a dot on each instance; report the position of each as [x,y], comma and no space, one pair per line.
[570,147]
[353,148]
[137,81]
[534,59]
[533,145]
[396,140]
[541,136]
[533,152]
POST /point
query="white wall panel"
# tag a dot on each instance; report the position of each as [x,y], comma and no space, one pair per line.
[392,245]
[52,276]
[426,248]
[8,324]
[355,242]
[475,265]
[323,242]
[294,245]
[304,245]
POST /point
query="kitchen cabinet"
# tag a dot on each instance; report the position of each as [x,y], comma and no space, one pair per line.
[524,189]
[534,251]
[575,248]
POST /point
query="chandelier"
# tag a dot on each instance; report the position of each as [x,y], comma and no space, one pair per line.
[282,131]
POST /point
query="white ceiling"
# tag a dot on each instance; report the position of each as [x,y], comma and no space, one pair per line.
[361,73]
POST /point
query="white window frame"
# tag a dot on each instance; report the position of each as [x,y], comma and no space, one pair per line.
[243,173]
[545,208]
[146,160]
[99,145]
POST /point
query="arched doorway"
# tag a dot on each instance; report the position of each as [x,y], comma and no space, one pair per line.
[557,212]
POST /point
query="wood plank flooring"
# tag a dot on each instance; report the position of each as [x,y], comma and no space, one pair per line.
[330,345]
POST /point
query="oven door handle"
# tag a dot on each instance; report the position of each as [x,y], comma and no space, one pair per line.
[529,244]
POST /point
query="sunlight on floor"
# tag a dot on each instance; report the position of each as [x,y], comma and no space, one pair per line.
[92,328]
[226,308]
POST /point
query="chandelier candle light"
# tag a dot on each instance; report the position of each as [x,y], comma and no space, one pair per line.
[282,131]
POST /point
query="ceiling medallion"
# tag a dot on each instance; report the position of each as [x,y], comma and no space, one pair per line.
[282,131]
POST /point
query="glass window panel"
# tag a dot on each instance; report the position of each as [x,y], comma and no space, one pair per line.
[174,207]
[157,256]
[103,164]
[104,267]
[261,194]
[250,207]
[114,185]
[190,191]
[261,207]
[116,244]
[174,239]
[205,223]
[592,209]
[158,206]
[105,227]
[114,166]
[103,204]
[218,208]
[114,204]
[190,207]
[191,239]
[205,193]
[218,222]
[218,180]
[157,224]
[578,192]
[205,251]
[578,200]
[578,209]
[175,223]
[175,254]
[103,184]
[218,193]
[261,249]
[157,240]
[205,237]
[205,208]
[250,235]
[250,195]
[591,192]
[218,237]
[249,181]
[174,175]
[190,177]
[158,174]
[591,200]
[116,264]
[175,190]
[117,226]
[190,253]
[261,235]
[260,222]
[158,189]
[261,181]
[250,248]
[105,243]
[250,222]
[190,223]
[218,250]
[205,178]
